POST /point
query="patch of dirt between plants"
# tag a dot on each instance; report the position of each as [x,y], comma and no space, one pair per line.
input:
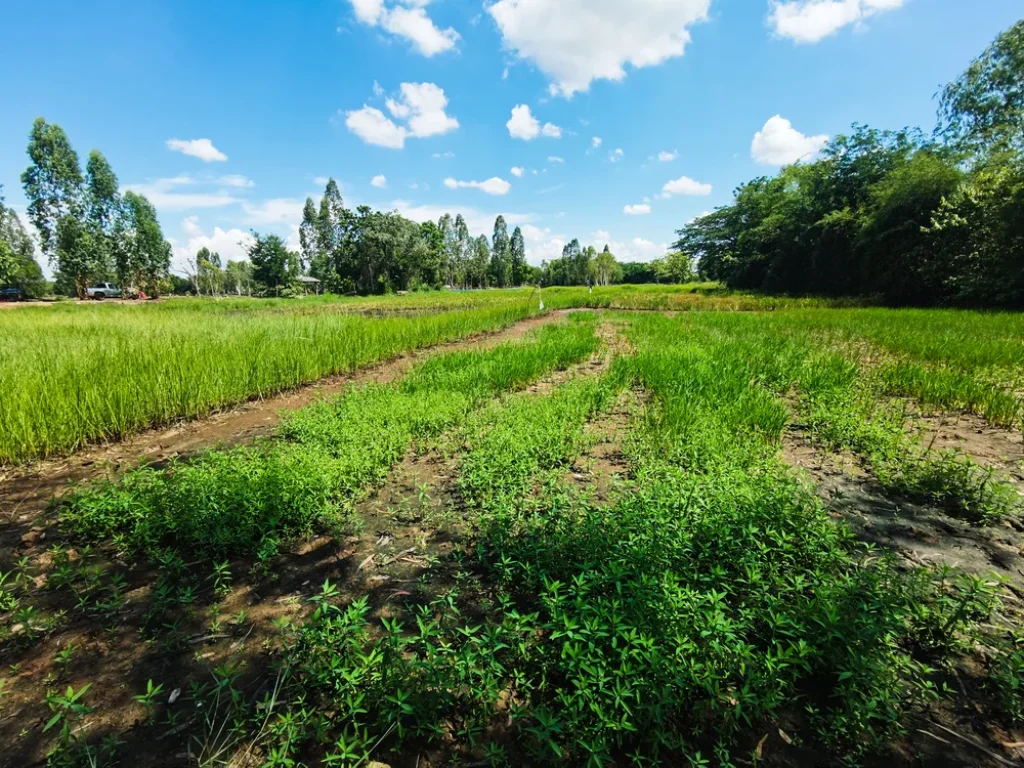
[922,535]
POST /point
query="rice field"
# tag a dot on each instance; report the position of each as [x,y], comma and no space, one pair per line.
[703,534]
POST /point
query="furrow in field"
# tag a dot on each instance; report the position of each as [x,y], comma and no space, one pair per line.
[26,491]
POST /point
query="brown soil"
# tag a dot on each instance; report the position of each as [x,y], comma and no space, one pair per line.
[923,535]
[996,447]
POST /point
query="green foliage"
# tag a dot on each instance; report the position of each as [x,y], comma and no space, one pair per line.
[889,214]
[247,500]
[273,265]
[141,254]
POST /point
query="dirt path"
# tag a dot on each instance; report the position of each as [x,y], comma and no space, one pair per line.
[26,491]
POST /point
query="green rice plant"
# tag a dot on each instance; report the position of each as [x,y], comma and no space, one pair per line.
[71,375]
[245,501]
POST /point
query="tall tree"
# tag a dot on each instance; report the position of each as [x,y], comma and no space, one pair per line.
[450,258]
[103,206]
[501,259]
[607,269]
[53,182]
[464,251]
[517,257]
[141,253]
[982,111]
[481,261]
[308,236]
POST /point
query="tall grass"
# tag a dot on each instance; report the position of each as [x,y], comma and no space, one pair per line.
[74,375]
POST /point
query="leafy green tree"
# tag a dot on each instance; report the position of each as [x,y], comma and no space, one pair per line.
[607,270]
[982,111]
[517,257]
[208,271]
[274,267]
[501,256]
[238,277]
[309,236]
[481,261]
[53,182]
[464,250]
[141,254]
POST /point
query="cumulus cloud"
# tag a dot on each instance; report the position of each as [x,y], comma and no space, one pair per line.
[518,172]
[575,42]
[595,143]
[779,143]
[379,181]
[409,21]
[278,210]
[667,157]
[493,186]
[637,210]
[637,249]
[615,155]
[236,180]
[808,21]
[201,148]
[523,125]
[684,185]
[554,160]
[421,106]
[231,244]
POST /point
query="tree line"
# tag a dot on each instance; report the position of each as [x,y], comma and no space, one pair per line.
[909,218]
[87,228]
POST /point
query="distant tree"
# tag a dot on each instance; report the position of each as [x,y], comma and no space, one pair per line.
[142,255]
[238,277]
[464,250]
[607,269]
[208,271]
[501,257]
[308,235]
[273,266]
[481,261]
[517,258]
[638,273]
[675,267]
[449,259]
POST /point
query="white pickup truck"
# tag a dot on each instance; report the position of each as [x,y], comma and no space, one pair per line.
[103,291]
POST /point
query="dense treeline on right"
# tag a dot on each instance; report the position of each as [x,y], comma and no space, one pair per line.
[897,215]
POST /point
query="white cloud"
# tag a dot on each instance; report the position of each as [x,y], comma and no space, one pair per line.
[595,143]
[779,143]
[280,210]
[236,180]
[201,148]
[379,181]
[684,185]
[479,222]
[637,249]
[575,42]
[408,21]
[523,125]
[667,157]
[231,244]
[809,21]
[321,181]
[443,155]
[554,159]
[493,186]
[518,172]
[615,156]
[637,210]
[165,194]
[422,105]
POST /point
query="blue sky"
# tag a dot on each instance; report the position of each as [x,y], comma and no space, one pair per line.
[606,120]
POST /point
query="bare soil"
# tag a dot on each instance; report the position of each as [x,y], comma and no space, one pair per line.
[962,731]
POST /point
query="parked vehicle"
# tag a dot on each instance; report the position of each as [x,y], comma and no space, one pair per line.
[12,294]
[102,291]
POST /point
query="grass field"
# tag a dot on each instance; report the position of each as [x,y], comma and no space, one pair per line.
[783,536]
